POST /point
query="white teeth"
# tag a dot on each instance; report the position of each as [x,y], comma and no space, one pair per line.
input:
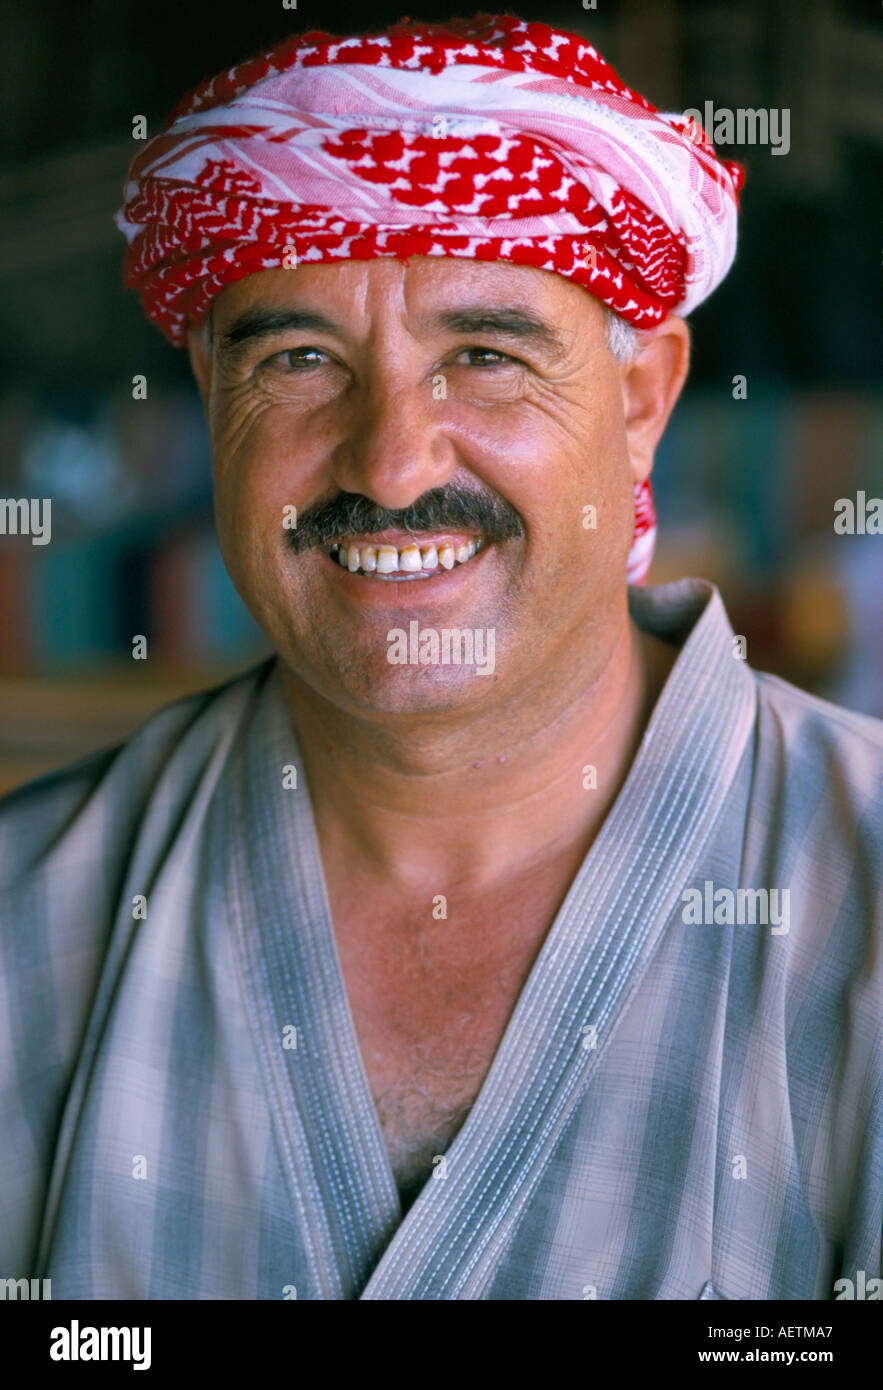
[387,559]
[410,560]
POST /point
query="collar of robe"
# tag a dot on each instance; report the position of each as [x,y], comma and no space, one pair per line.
[595,954]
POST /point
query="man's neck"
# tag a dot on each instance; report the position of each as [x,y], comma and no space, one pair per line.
[473,806]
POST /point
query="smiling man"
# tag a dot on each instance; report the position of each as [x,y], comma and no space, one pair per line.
[551,976]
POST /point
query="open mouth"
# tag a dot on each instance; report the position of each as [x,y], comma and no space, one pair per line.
[410,561]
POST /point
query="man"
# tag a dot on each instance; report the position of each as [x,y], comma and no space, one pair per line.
[507,937]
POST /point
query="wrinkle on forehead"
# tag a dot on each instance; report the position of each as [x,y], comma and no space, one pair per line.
[385,290]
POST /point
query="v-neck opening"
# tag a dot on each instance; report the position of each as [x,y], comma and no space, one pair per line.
[336,1149]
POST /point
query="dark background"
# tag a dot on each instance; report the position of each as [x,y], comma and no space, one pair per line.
[745,489]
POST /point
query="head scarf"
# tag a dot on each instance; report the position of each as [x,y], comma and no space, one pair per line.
[489,138]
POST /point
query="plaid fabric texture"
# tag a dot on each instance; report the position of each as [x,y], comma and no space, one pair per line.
[673,1108]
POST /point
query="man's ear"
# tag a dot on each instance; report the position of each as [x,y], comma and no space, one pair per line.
[201,361]
[651,383]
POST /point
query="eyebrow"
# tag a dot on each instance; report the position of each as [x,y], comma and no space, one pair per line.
[268,323]
[510,322]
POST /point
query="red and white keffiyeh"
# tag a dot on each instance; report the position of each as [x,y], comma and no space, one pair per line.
[490,138]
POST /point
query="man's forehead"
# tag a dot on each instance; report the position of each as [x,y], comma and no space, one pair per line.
[428,293]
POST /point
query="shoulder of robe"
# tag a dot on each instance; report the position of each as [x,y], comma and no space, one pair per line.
[69,842]
[822,765]
[822,730]
[95,799]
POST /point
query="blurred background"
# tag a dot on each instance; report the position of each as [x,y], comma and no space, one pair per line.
[746,488]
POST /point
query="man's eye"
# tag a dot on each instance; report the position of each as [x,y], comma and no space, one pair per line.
[297,359]
[487,357]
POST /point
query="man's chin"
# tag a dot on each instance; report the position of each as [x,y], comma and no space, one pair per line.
[377,689]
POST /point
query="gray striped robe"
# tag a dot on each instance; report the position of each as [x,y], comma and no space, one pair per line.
[687,1101]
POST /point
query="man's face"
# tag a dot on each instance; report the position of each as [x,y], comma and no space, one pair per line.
[489,382]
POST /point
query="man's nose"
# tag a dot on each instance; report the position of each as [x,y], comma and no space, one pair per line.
[394,447]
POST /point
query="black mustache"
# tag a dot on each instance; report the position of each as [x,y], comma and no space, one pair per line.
[440,509]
